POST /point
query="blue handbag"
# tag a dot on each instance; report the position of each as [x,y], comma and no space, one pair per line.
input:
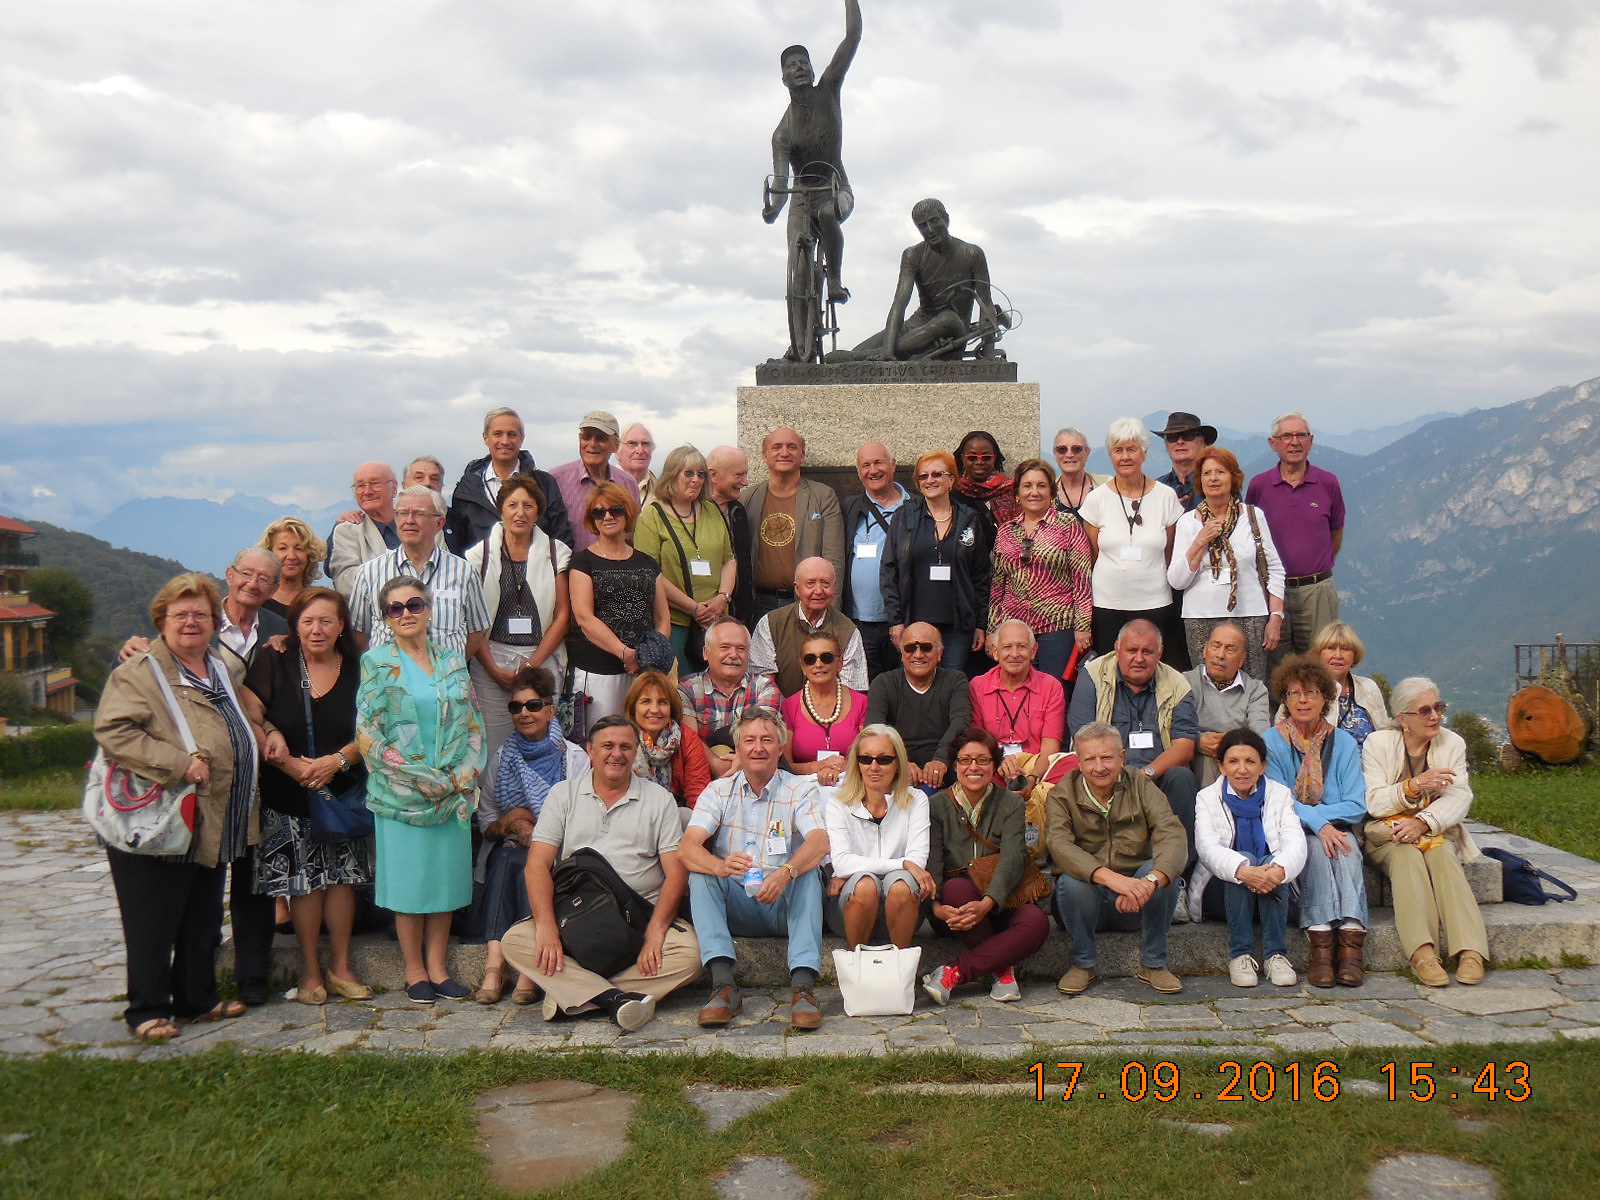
[340,816]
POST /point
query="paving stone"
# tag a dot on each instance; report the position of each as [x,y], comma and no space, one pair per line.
[1483,1000]
[395,1039]
[763,1179]
[766,1047]
[724,1105]
[985,1036]
[1589,1011]
[542,1135]
[1579,976]
[1429,1177]
[1273,1000]
[1055,1033]
[1262,1019]
[1180,1016]
[1089,1009]
[1521,978]
[455,1039]
[1381,1010]
[403,1018]
[1451,1030]
[1587,1034]
[333,1043]
[920,1037]
[825,1045]
[1373,1033]
[1305,1041]
[1535,1016]
[1376,987]
[1211,1129]
[1219,1037]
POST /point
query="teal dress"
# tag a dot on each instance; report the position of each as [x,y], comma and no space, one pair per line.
[423,868]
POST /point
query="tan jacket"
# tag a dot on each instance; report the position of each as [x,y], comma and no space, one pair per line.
[1141,827]
[1383,762]
[135,728]
[819,524]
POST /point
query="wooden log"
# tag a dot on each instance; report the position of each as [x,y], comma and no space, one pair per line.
[1545,725]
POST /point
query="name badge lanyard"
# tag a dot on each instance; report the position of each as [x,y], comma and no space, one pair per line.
[1015,718]
[1140,703]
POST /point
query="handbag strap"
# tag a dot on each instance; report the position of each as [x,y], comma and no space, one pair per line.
[683,559]
[172,703]
[305,705]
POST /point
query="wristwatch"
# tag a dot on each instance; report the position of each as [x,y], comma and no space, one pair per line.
[1147,772]
[1154,877]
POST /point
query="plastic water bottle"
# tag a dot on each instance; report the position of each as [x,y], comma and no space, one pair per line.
[754,876]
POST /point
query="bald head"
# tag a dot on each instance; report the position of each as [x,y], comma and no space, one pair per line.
[875,468]
[784,452]
[375,486]
[814,586]
[921,648]
[728,473]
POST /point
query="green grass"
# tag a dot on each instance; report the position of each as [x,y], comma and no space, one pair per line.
[365,1125]
[1559,806]
[53,787]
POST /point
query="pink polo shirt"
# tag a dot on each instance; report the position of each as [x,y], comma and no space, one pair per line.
[1035,711]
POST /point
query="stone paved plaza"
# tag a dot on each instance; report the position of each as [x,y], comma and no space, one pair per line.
[61,973]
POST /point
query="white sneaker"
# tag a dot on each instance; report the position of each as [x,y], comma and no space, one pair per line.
[1242,971]
[1180,915]
[1280,973]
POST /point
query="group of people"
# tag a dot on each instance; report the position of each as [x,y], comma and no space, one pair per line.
[1008,695]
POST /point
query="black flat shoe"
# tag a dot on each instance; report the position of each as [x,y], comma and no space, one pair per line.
[253,992]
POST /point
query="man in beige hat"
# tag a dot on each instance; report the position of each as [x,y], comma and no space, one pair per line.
[598,439]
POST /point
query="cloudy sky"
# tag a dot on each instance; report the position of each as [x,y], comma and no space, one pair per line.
[243,246]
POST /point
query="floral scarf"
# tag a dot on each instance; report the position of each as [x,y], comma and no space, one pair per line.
[528,770]
[1220,552]
[1308,779]
[995,495]
[656,754]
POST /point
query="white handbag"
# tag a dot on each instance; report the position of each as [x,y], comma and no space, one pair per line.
[133,814]
[877,981]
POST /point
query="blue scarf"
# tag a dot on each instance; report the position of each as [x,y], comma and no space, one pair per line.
[528,770]
[1250,835]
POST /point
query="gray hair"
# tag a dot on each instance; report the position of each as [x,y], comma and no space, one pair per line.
[1289,416]
[403,581]
[1233,625]
[760,712]
[1073,431]
[266,555]
[679,459]
[427,458]
[1000,628]
[1097,731]
[418,491]
[1141,625]
[1127,429]
[489,417]
[1406,693]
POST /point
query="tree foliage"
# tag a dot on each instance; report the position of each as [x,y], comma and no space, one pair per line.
[71,599]
[1475,731]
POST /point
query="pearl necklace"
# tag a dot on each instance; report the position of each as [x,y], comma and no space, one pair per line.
[838,710]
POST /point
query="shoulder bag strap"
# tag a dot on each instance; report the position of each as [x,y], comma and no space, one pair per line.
[1261,551]
[305,705]
[683,559]
[172,703]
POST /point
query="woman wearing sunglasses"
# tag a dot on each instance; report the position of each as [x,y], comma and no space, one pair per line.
[824,716]
[682,530]
[1419,794]
[618,595]
[1131,522]
[423,743]
[936,563]
[1075,482]
[984,483]
[878,838]
[533,758]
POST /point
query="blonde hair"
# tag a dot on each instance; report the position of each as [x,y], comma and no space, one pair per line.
[182,587]
[316,550]
[852,789]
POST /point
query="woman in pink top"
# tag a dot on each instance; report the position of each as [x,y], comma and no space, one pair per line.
[824,716]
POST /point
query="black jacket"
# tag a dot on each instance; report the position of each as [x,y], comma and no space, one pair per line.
[472,516]
[970,572]
[737,518]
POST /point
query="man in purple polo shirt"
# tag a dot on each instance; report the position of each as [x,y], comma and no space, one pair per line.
[597,442]
[1305,511]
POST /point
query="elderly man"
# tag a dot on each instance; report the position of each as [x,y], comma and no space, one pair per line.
[714,697]
[598,440]
[633,456]
[363,535]
[1305,511]
[473,509]
[1224,697]
[1151,706]
[1022,706]
[1185,437]
[929,705]
[1119,849]
[633,824]
[753,847]
[426,470]
[793,518]
[728,474]
[459,617]
[775,646]
[867,514]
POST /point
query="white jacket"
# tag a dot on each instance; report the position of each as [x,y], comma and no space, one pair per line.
[858,843]
[484,559]
[1383,760]
[1214,831]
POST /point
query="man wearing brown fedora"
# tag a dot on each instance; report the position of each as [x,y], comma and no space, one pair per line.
[1185,436]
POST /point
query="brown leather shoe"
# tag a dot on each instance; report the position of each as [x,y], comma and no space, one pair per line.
[1319,970]
[1469,968]
[1429,969]
[1161,979]
[804,1012]
[1351,968]
[1076,981]
[725,1004]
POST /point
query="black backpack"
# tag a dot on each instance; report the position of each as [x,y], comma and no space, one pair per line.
[1523,882]
[602,920]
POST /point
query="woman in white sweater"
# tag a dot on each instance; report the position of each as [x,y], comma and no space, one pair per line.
[878,834]
[1248,836]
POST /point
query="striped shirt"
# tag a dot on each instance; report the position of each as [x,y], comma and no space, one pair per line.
[1043,581]
[458,607]
[712,710]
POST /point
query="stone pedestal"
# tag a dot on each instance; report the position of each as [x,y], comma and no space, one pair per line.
[910,418]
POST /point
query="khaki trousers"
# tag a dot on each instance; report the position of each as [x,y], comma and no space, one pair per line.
[573,988]
[1430,888]
[1305,611]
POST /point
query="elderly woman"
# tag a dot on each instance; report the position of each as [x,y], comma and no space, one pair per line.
[1248,836]
[878,841]
[313,681]
[533,758]
[670,750]
[1321,765]
[300,554]
[1224,563]
[936,563]
[969,820]
[1131,522]
[1418,793]
[618,595]
[1073,485]
[172,906]
[824,716]
[682,530]
[423,743]
[523,573]
[1361,706]
[984,483]
[1042,571]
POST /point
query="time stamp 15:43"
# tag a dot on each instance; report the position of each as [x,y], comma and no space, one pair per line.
[1262,1081]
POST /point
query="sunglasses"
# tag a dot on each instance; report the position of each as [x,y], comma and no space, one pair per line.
[1137,519]
[930,476]
[882,760]
[1065,450]
[516,706]
[1027,550]
[825,658]
[978,457]
[619,511]
[1427,710]
[416,606]
[916,647]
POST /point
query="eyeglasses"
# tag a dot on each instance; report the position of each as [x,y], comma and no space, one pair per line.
[636,445]
[1427,710]
[197,615]
[916,647]
[882,760]
[968,761]
[1066,450]
[1299,695]
[371,486]
[415,514]
[691,473]
[253,576]
[515,706]
[978,458]
[825,658]
[619,511]
[1294,437]
[930,476]
[416,606]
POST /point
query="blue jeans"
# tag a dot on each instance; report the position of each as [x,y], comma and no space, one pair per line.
[1243,907]
[1085,908]
[721,910]
[1054,650]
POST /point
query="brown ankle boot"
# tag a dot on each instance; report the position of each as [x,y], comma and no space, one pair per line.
[1319,971]
[1351,970]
